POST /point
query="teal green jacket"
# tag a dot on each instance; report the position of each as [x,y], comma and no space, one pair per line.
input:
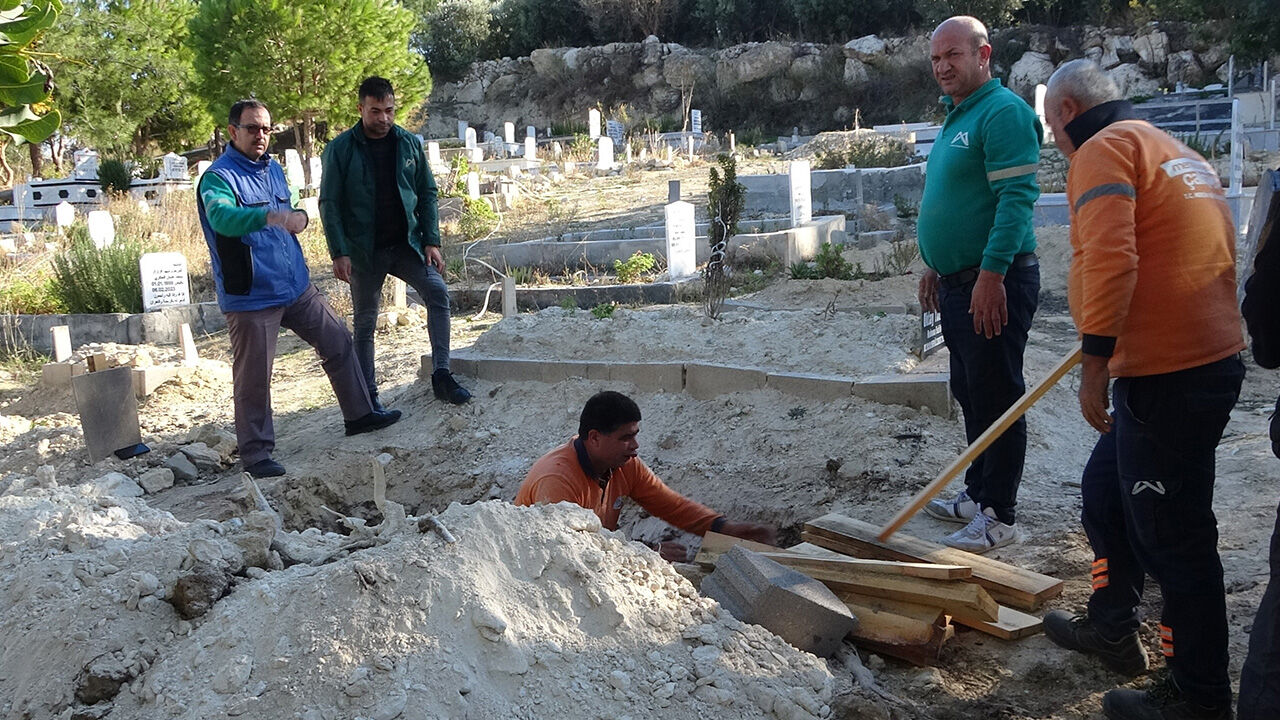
[347,190]
[980,185]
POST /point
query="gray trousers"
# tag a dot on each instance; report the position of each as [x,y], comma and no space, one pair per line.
[253,349]
[403,262]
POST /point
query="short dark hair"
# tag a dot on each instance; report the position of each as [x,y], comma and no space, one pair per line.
[607,411]
[240,106]
[375,87]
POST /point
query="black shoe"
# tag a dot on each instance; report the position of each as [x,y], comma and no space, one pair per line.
[265,468]
[373,421]
[1164,701]
[377,406]
[448,389]
[1125,656]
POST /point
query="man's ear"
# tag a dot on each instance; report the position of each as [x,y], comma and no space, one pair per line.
[984,52]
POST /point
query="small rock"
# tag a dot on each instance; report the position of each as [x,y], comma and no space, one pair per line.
[116,484]
[232,676]
[203,457]
[156,479]
[101,679]
[620,680]
[195,593]
[183,469]
[457,423]
[46,476]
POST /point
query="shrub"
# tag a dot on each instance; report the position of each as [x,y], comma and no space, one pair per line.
[114,176]
[25,296]
[452,36]
[828,263]
[634,268]
[725,200]
[604,310]
[866,150]
[93,280]
[478,219]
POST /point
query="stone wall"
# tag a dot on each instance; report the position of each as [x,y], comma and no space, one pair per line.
[776,85]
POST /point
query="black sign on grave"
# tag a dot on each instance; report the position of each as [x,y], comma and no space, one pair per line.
[930,333]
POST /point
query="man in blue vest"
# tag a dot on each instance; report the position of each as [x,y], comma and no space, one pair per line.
[379,205]
[262,281]
[976,236]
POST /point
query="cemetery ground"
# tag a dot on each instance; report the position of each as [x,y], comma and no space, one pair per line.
[757,455]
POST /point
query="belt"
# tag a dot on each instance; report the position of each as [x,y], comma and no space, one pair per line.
[960,278]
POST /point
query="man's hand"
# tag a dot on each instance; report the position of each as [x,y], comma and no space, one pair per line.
[342,268]
[929,290]
[673,552]
[1094,379]
[294,221]
[988,307]
[434,258]
[758,532]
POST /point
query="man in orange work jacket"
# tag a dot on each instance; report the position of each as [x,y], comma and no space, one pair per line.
[1153,293]
[599,467]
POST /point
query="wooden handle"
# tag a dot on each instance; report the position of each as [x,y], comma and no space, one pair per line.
[976,448]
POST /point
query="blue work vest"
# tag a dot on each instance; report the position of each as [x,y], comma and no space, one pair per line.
[265,268]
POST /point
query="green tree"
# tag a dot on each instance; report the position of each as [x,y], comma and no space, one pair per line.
[26,112]
[304,58]
[126,77]
[452,34]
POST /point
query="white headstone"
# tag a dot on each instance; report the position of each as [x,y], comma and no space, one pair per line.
[190,355]
[462,129]
[475,154]
[801,200]
[733,145]
[64,214]
[473,186]
[593,123]
[1237,150]
[531,131]
[616,132]
[175,167]
[530,149]
[293,168]
[201,167]
[489,137]
[317,168]
[164,280]
[102,230]
[86,165]
[604,160]
[433,153]
[509,133]
[681,240]
[626,157]
[61,342]
[470,139]
[1041,91]
[695,120]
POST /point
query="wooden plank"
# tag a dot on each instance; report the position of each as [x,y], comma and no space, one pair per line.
[1009,585]
[1011,625]
[715,544]
[821,568]
[907,631]
[957,598]
[1002,423]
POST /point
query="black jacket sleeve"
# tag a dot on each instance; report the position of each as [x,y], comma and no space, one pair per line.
[1261,307]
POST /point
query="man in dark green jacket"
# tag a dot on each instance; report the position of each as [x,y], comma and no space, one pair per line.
[379,208]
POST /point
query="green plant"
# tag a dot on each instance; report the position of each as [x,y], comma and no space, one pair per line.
[904,206]
[569,303]
[456,269]
[22,295]
[603,310]
[634,268]
[897,260]
[523,275]
[582,148]
[801,270]
[99,280]
[114,176]
[830,263]
[867,150]
[478,219]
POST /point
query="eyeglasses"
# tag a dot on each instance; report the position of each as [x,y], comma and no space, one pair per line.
[254,129]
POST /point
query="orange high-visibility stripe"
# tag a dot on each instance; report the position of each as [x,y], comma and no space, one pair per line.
[1100,564]
[1099,583]
[1166,640]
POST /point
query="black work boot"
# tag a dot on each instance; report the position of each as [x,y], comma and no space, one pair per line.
[448,389]
[1075,632]
[1164,701]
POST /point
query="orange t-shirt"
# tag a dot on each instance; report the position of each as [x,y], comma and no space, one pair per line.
[558,476]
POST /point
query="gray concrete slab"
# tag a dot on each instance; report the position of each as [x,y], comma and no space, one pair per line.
[931,390]
[108,410]
[811,387]
[707,380]
[650,377]
[789,604]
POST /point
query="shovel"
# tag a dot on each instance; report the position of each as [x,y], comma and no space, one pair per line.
[1015,411]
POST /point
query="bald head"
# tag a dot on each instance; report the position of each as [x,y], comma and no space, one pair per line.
[964,26]
[961,57]
[1082,81]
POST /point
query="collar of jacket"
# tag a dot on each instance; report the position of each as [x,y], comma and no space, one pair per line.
[357,132]
[1092,121]
[584,460]
[239,158]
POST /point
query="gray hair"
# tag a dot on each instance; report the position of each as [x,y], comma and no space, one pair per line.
[1083,81]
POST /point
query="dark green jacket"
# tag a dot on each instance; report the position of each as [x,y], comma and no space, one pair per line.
[347,189]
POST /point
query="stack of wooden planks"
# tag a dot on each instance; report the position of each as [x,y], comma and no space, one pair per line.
[906,592]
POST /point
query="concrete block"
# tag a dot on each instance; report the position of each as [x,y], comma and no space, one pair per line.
[190,355]
[181,467]
[810,387]
[460,364]
[59,374]
[931,390]
[789,604]
[147,379]
[108,411]
[156,479]
[705,381]
[205,458]
[61,336]
[872,238]
[514,370]
[649,377]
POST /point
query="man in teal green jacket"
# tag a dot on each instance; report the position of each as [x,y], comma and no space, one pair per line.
[976,236]
[378,202]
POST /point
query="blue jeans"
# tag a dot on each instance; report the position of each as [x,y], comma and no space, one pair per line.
[403,262]
[1260,677]
[986,379]
[1148,508]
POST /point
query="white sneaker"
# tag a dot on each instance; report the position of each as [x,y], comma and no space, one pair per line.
[983,533]
[960,510]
